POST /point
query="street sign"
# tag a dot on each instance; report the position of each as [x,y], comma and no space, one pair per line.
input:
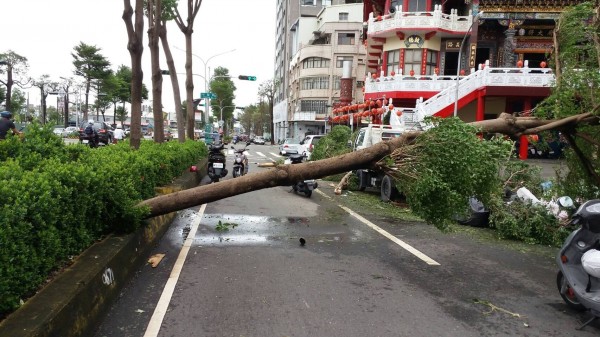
[221,122]
[210,95]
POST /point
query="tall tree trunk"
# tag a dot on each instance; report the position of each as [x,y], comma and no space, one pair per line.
[9,84]
[136,49]
[154,11]
[174,82]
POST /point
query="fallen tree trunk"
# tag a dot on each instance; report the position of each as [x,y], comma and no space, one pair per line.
[286,175]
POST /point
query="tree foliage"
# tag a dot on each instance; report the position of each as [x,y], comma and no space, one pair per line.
[91,65]
[576,64]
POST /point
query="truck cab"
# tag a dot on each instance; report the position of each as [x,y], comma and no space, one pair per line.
[369,136]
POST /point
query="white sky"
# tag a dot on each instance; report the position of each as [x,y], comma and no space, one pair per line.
[45,32]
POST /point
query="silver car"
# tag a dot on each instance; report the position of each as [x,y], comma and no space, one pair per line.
[289,146]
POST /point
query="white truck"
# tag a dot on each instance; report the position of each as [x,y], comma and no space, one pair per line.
[368,136]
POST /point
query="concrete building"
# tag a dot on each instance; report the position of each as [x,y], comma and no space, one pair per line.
[313,38]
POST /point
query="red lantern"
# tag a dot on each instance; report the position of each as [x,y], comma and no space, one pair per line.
[543,64]
[399,113]
[378,17]
[380,111]
[379,103]
[391,107]
[462,72]
[436,71]
[412,72]
[393,73]
[374,76]
[372,103]
[519,64]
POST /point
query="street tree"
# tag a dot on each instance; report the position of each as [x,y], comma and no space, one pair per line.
[136,49]
[168,14]
[90,65]
[15,67]
[267,90]
[224,88]
[154,13]
[187,28]
[46,86]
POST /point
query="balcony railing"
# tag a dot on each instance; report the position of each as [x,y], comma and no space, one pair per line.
[490,77]
[419,20]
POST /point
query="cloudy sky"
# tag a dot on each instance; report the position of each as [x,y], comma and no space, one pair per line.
[45,32]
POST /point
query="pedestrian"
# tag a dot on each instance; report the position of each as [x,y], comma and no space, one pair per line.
[7,124]
[119,135]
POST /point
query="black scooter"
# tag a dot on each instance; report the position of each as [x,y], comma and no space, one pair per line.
[303,186]
[578,260]
[216,162]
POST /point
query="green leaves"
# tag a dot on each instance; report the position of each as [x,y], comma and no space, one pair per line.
[58,199]
[444,167]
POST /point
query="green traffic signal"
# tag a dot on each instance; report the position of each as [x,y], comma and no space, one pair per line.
[247,78]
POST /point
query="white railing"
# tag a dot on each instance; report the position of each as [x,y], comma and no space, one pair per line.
[500,77]
[423,20]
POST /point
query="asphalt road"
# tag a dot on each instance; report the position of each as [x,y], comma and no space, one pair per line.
[348,280]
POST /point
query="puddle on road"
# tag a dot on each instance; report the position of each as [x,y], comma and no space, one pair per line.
[261,230]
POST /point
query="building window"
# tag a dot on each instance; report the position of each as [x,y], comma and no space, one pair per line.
[393,61]
[360,84]
[336,82]
[339,61]
[412,61]
[432,57]
[313,106]
[307,2]
[309,83]
[343,16]
[315,62]
[417,6]
[326,3]
[346,38]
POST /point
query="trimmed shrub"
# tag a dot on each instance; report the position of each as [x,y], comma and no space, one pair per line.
[59,199]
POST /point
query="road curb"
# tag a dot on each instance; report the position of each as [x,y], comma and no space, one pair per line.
[76,300]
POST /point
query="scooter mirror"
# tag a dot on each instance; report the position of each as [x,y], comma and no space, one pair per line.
[565,201]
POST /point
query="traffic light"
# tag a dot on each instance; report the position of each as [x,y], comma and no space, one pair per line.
[247,78]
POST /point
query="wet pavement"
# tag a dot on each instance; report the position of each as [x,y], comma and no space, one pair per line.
[256,279]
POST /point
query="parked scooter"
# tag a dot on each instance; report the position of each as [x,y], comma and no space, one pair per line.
[240,162]
[578,260]
[216,162]
[302,186]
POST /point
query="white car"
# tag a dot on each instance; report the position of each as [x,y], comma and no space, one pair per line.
[58,131]
[289,146]
[308,144]
[70,130]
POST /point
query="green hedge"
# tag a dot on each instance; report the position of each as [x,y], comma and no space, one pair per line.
[58,199]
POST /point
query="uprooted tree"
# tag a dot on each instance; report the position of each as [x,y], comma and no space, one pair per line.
[440,168]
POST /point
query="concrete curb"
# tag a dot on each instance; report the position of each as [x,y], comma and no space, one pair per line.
[76,300]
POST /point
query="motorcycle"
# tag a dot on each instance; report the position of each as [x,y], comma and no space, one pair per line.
[240,163]
[578,277]
[302,186]
[216,162]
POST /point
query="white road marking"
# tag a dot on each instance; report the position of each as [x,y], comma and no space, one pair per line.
[381,231]
[275,154]
[163,303]
[260,154]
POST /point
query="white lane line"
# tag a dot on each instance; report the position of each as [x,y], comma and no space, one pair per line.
[260,154]
[275,154]
[381,231]
[163,303]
